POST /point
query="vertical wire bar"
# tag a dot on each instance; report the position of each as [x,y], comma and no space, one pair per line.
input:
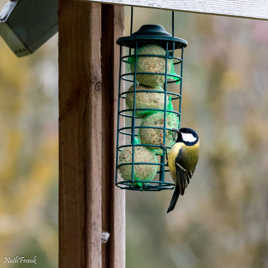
[118,117]
[172,23]
[131,20]
[173,31]
[133,122]
[131,25]
[162,169]
[181,73]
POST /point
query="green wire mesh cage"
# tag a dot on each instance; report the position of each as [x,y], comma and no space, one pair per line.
[146,106]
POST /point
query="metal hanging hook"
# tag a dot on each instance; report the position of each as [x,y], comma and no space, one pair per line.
[131,20]
[131,26]
[172,23]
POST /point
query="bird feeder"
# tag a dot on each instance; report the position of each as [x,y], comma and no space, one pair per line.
[149,106]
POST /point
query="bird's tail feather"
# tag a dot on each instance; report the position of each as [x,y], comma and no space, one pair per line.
[174,200]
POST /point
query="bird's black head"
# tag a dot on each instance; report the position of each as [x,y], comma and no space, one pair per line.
[187,135]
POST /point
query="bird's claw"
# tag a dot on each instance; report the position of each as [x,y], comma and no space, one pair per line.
[163,147]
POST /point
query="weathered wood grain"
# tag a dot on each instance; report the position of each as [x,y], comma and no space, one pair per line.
[80,128]
[257,9]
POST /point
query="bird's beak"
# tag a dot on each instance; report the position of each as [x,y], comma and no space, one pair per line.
[175,132]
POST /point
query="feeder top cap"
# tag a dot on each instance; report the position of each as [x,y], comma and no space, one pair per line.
[152,29]
[152,34]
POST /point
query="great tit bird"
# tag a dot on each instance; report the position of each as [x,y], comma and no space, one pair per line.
[182,159]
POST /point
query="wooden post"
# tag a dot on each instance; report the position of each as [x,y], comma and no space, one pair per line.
[88,202]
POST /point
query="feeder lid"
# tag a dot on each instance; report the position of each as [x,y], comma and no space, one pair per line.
[152,34]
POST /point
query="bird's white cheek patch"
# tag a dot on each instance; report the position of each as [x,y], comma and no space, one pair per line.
[188,137]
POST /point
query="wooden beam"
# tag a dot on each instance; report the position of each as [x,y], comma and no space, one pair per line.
[80,128]
[253,9]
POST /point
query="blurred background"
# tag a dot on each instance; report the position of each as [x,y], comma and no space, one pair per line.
[222,220]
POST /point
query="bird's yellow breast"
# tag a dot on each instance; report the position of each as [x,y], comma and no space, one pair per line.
[190,157]
[173,153]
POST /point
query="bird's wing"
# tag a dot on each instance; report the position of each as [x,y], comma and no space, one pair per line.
[183,175]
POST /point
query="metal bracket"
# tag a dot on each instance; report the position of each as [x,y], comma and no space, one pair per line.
[25,25]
